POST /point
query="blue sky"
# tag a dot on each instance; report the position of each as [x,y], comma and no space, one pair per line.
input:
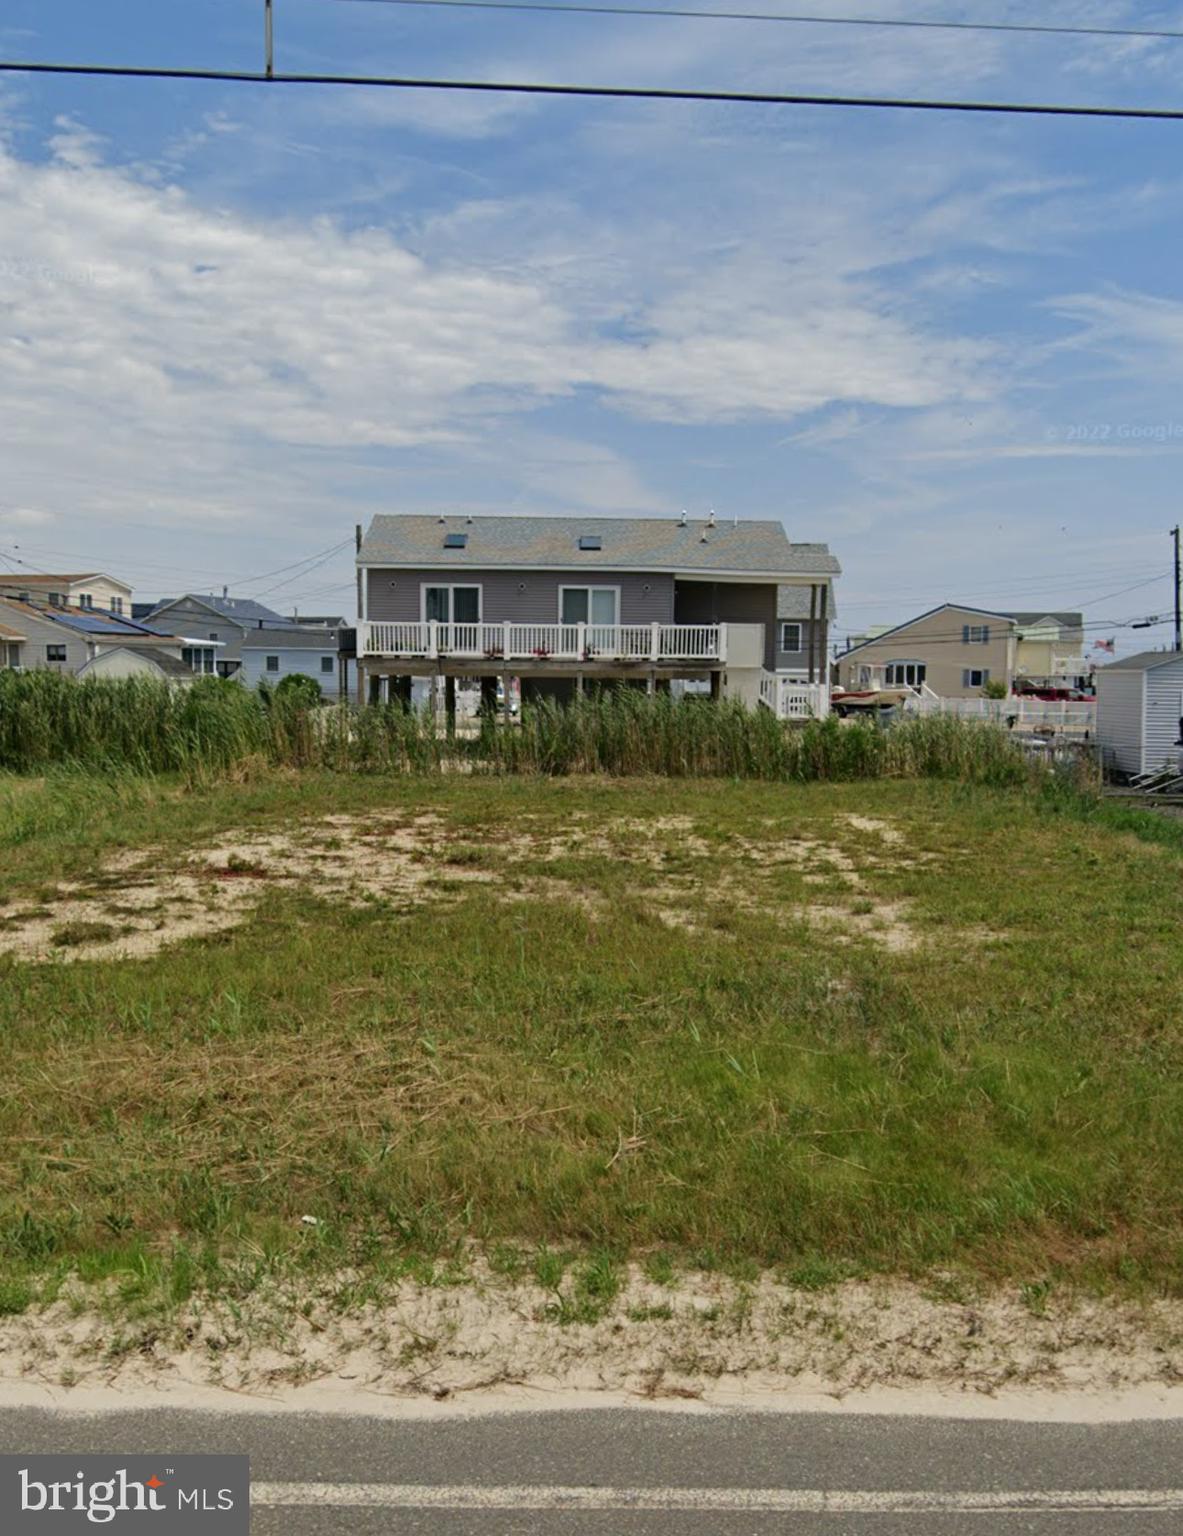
[237,320]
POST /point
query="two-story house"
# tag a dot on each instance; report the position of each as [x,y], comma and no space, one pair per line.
[558,601]
[79,589]
[953,651]
[256,643]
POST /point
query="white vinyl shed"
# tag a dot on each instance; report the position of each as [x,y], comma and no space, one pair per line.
[1139,708]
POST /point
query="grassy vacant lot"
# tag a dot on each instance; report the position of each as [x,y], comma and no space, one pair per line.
[828,1028]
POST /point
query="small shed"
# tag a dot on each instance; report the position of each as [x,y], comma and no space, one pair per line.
[141,661]
[1139,709]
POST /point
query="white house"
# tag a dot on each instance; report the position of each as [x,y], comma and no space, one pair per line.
[1139,710]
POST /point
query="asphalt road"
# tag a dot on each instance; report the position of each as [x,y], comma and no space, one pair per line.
[648,1473]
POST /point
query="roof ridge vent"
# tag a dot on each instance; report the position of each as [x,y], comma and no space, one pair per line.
[682,521]
[711,518]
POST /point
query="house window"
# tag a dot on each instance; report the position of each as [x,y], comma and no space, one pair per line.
[213,634]
[326,664]
[85,600]
[55,653]
[975,677]
[116,605]
[975,634]
[790,637]
[452,605]
[198,657]
[589,605]
[904,674]
[273,663]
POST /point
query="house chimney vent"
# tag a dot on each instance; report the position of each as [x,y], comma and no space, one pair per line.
[711,518]
[682,519]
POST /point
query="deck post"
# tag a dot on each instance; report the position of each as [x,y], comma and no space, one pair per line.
[651,682]
[581,641]
[450,706]
[654,641]
[505,648]
[433,638]
[812,626]
[505,690]
[722,642]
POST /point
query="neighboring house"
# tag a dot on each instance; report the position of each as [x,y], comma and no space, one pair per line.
[1140,711]
[269,655]
[236,624]
[954,650]
[64,639]
[12,643]
[556,600]
[86,589]
[1049,648]
[149,661]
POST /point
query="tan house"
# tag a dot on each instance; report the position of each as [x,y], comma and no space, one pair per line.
[953,650]
[79,589]
[1049,647]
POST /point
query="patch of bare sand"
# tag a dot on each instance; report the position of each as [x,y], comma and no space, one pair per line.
[142,899]
[705,1336]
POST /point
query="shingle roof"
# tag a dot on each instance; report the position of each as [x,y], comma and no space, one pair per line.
[760,547]
[239,610]
[314,638]
[1033,616]
[1142,661]
[172,665]
[95,622]
[10,634]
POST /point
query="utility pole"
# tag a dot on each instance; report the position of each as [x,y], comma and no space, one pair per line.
[268,40]
[1178,613]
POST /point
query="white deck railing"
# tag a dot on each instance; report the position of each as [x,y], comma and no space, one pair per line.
[544,642]
[789,699]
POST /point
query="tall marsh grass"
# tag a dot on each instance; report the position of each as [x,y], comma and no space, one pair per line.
[215,726]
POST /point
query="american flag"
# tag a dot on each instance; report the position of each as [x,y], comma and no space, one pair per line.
[1103,645]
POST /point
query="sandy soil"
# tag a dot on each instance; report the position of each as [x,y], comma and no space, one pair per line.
[705,1339]
[141,901]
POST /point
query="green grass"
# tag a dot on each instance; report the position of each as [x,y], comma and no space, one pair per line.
[567,1086]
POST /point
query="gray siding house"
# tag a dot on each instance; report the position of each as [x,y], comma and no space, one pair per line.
[571,598]
[256,643]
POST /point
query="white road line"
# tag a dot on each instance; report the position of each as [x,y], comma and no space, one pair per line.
[821,1501]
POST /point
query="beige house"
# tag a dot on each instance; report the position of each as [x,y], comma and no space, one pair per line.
[952,650]
[79,589]
[1049,647]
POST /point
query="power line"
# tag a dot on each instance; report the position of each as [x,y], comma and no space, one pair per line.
[616,92]
[1041,29]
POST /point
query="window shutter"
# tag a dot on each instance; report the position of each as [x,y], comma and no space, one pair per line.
[965,634]
[965,677]
[985,634]
[985,676]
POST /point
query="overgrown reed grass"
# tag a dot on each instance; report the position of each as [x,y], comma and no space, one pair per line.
[214,726]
